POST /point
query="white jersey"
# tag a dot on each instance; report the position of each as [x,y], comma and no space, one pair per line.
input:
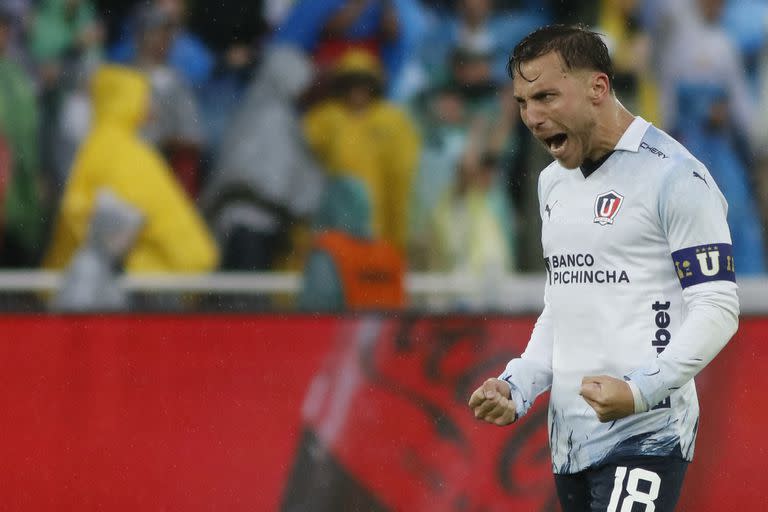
[640,286]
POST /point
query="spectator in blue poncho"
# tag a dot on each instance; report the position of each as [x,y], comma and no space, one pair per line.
[187,54]
[386,28]
[479,28]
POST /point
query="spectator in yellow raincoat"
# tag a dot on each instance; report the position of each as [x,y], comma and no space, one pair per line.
[174,237]
[358,133]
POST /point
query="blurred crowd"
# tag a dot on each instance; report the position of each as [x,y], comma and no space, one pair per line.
[352,140]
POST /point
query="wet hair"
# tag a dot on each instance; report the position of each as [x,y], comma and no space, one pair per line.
[578,47]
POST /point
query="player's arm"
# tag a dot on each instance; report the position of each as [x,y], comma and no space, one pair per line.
[501,401]
[504,399]
[693,214]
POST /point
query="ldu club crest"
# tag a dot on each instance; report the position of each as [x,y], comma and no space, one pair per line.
[607,206]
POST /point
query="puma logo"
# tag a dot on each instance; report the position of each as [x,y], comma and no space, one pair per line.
[548,209]
[697,175]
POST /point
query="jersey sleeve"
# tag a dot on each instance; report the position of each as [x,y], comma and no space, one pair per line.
[530,374]
[693,213]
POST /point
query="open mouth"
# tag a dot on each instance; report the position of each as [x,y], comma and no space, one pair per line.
[556,142]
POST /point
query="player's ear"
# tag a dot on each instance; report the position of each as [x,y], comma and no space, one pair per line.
[600,87]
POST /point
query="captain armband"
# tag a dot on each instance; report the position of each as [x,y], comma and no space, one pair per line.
[704,263]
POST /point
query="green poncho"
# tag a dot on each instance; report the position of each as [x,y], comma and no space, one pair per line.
[22,212]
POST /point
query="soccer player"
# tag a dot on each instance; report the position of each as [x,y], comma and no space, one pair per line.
[640,292]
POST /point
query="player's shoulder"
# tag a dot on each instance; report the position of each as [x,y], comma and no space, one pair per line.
[549,176]
[551,172]
[667,160]
[680,177]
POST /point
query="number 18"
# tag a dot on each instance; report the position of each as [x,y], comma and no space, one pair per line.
[635,495]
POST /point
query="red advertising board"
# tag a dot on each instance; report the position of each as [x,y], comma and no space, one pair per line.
[297,413]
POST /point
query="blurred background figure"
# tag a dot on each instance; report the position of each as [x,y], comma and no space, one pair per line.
[65,39]
[480,28]
[349,269]
[442,118]
[22,211]
[629,44]
[16,14]
[471,73]
[183,51]
[471,228]
[387,29]
[453,132]
[235,39]
[64,31]
[265,179]
[708,106]
[174,237]
[358,133]
[174,125]
[761,138]
[746,25]
[90,283]
[72,124]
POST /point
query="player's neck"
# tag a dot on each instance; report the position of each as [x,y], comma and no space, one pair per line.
[611,124]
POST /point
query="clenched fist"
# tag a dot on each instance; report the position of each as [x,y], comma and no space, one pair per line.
[491,402]
[611,398]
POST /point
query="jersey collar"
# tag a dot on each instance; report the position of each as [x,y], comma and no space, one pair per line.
[633,135]
[629,141]
[588,166]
